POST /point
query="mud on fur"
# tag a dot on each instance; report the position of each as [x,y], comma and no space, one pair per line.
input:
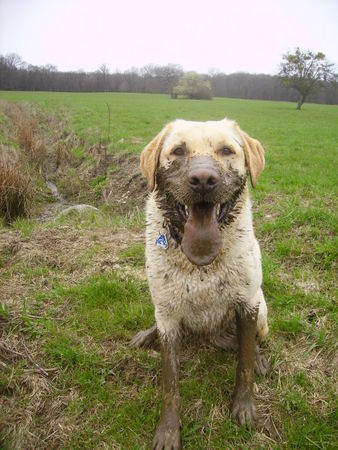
[197,177]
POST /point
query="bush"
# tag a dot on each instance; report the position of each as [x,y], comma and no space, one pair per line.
[194,86]
[15,189]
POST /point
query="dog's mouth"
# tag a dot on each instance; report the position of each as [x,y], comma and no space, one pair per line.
[184,210]
[197,220]
[201,241]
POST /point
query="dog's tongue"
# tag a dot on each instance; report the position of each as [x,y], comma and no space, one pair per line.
[202,239]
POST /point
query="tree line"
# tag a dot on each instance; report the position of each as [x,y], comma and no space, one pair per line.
[15,74]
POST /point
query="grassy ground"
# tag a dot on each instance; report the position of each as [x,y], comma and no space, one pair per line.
[74,291]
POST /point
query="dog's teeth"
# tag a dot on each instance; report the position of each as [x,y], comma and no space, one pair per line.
[218,210]
[186,210]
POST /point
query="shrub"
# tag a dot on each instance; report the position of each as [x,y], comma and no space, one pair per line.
[194,86]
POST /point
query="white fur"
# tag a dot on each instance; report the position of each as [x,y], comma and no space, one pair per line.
[201,298]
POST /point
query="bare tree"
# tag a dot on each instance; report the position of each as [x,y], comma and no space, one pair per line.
[15,61]
[305,72]
[103,74]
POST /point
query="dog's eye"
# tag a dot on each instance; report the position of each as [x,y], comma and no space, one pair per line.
[225,151]
[179,151]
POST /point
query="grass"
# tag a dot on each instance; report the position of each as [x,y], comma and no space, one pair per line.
[15,189]
[74,290]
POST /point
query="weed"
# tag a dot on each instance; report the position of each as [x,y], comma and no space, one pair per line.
[291,325]
[24,225]
[134,255]
[78,153]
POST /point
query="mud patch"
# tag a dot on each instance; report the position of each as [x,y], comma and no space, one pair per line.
[126,187]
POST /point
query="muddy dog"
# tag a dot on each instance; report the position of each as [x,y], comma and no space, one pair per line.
[202,259]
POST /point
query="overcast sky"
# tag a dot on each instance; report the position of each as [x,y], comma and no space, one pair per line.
[231,36]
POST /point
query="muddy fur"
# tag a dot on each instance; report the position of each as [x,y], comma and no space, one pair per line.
[197,173]
[171,188]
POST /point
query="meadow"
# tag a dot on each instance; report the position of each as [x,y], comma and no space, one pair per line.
[73,288]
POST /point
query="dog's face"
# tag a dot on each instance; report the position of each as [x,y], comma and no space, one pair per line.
[199,171]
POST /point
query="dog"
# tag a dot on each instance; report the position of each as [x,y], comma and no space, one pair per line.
[203,261]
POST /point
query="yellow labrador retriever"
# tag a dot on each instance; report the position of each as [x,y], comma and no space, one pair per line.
[202,259]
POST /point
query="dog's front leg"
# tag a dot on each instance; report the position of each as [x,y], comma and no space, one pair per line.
[167,435]
[243,408]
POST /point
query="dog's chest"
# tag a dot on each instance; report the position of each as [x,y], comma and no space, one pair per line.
[199,298]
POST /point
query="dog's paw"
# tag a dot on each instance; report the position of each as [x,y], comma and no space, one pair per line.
[144,338]
[261,364]
[244,410]
[167,436]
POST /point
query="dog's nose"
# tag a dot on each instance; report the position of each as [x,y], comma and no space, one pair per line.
[203,180]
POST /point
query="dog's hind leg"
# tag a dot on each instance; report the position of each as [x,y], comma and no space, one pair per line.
[228,340]
[145,338]
[261,363]
[229,343]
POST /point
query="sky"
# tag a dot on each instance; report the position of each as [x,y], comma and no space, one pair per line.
[222,35]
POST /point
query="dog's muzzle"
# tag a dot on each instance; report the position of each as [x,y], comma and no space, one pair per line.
[201,241]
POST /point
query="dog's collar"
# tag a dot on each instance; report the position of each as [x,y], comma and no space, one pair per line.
[162,241]
[168,230]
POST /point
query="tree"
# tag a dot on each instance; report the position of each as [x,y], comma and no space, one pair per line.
[102,76]
[305,72]
[15,61]
[193,85]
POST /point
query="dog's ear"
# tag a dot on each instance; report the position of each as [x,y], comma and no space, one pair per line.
[254,156]
[150,157]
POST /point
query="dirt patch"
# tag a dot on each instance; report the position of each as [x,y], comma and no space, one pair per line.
[126,187]
[61,254]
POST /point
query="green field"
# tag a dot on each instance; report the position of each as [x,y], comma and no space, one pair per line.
[73,290]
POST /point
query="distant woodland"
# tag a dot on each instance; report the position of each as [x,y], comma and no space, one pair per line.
[15,74]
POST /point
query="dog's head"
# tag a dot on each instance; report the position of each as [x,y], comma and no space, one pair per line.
[199,171]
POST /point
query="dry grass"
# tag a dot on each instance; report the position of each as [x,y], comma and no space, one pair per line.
[44,145]
[26,131]
[35,148]
[27,389]
[64,254]
[16,190]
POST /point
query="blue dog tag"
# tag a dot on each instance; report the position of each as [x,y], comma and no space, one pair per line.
[161,241]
